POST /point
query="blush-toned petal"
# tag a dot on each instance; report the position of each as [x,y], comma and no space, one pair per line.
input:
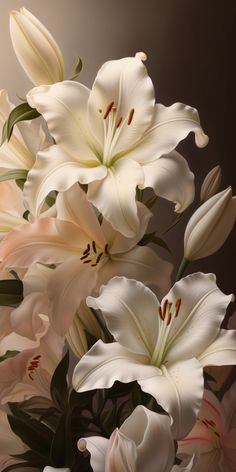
[25,319]
[140,263]
[37,242]
[72,205]
[151,433]
[70,283]
[121,453]
[114,196]
[64,107]
[201,312]
[55,170]
[106,363]
[222,351]
[11,206]
[130,312]
[170,125]
[229,407]
[126,83]
[176,394]
[171,178]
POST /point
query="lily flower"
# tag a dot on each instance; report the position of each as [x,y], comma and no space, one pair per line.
[35,48]
[113,138]
[11,207]
[213,437]
[27,139]
[161,345]
[86,253]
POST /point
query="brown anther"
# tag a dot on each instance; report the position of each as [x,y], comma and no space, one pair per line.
[109,108]
[217,434]
[35,358]
[31,377]
[85,256]
[119,122]
[94,247]
[204,422]
[30,368]
[88,261]
[169,318]
[99,257]
[164,308]
[131,115]
[93,265]
[177,306]
[211,422]
[160,313]
[100,110]
[106,249]
[87,249]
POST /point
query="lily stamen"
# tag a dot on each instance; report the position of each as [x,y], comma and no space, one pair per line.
[131,115]
[85,256]
[119,122]
[177,307]
[34,363]
[109,108]
[106,249]
[94,247]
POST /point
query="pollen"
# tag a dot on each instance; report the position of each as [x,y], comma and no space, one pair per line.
[108,110]
[130,117]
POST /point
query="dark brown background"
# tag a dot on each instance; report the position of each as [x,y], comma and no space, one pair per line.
[191,58]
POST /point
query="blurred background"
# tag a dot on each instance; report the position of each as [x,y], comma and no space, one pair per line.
[191,53]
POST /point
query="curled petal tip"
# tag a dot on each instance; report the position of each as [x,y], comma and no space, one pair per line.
[201,139]
[141,55]
[82,445]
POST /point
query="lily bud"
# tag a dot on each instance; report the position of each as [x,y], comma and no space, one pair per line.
[211,184]
[35,48]
[48,468]
[210,225]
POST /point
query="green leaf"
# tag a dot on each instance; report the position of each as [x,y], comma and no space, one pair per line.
[59,386]
[77,69]
[22,112]
[151,201]
[11,292]
[152,238]
[15,174]
[8,355]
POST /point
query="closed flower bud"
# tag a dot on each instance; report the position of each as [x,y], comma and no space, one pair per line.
[35,48]
[211,184]
[210,225]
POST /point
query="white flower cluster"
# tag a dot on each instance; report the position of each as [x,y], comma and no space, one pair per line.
[73,223]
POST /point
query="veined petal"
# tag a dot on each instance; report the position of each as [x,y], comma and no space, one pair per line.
[222,351]
[72,205]
[105,363]
[70,283]
[64,107]
[55,170]
[201,312]
[140,263]
[130,312]
[176,394]
[37,242]
[171,178]
[118,243]
[151,433]
[126,83]
[97,446]
[114,196]
[170,125]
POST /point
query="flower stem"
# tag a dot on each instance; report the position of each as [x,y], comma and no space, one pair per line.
[183,266]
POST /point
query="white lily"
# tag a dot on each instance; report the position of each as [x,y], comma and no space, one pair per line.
[35,48]
[210,225]
[88,254]
[213,437]
[11,207]
[161,346]
[27,139]
[113,138]
[143,442]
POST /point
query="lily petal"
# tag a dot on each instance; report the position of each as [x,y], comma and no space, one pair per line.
[114,196]
[97,446]
[25,319]
[56,170]
[179,397]
[171,178]
[130,312]
[222,351]
[104,364]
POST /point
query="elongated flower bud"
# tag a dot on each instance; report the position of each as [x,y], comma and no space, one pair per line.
[210,225]
[35,48]
[211,184]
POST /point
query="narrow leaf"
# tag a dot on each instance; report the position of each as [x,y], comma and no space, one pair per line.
[8,355]
[15,174]
[77,69]
[22,112]
[152,238]
[59,386]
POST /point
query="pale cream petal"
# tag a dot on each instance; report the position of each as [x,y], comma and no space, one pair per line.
[222,351]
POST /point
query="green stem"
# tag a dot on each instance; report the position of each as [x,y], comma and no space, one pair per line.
[183,266]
